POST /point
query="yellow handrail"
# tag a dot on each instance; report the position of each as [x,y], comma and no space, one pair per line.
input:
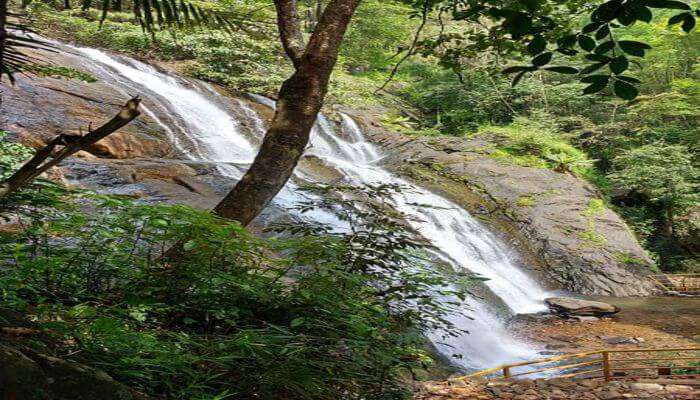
[675,286]
[606,362]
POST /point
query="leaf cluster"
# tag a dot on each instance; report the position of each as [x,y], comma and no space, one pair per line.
[543,30]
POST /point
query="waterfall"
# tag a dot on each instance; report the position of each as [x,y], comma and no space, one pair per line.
[200,125]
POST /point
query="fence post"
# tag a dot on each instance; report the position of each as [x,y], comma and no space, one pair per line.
[606,365]
[506,372]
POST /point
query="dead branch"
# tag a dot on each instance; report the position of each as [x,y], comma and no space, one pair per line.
[410,52]
[63,146]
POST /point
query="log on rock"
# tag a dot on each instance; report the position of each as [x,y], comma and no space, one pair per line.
[569,306]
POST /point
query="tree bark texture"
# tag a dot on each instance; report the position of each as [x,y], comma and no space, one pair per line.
[3,32]
[300,100]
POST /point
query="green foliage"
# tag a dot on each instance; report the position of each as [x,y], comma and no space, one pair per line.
[525,201]
[664,173]
[59,72]
[12,155]
[591,235]
[595,207]
[689,368]
[235,60]
[536,142]
[330,315]
[15,43]
[241,61]
[592,238]
[667,180]
[457,107]
[543,32]
[378,31]
[628,259]
[111,35]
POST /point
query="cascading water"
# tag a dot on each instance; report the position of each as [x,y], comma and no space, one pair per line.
[201,129]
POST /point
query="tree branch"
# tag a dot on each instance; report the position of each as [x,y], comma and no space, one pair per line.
[424,20]
[329,31]
[47,157]
[290,29]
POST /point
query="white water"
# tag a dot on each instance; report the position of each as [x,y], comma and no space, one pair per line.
[201,128]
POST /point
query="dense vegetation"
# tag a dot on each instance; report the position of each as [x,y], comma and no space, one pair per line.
[244,317]
[544,119]
[238,317]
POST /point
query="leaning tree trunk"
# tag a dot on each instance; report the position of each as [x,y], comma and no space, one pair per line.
[300,101]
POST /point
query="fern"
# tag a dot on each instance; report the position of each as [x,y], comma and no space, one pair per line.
[17,37]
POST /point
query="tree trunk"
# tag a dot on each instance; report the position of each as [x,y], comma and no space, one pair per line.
[48,157]
[66,5]
[3,33]
[116,5]
[667,228]
[300,100]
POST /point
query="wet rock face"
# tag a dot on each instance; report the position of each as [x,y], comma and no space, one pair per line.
[137,160]
[585,249]
[584,246]
[36,109]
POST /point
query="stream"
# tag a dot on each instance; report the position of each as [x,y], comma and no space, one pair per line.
[195,118]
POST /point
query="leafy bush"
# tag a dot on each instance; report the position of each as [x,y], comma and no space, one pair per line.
[379,28]
[12,155]
[457,107]
[322,314]
[235,60]
[535,142]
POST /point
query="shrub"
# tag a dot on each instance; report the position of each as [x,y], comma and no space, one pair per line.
[12,155]
[322,314]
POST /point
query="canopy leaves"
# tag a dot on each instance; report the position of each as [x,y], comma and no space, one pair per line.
[531,26]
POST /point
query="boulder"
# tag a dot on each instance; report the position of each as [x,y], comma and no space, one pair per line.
[26,374]
[584,318]
[620,340]
[569,306]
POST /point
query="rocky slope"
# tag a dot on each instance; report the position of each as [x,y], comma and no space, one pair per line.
[584,246]
[547,214]
[138,160]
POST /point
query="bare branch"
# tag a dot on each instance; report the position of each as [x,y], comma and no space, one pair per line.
[47,157]
[411,50]
[329,31]
[289,27]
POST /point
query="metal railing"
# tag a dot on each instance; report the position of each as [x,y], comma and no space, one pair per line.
[677,282]
[607,364]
